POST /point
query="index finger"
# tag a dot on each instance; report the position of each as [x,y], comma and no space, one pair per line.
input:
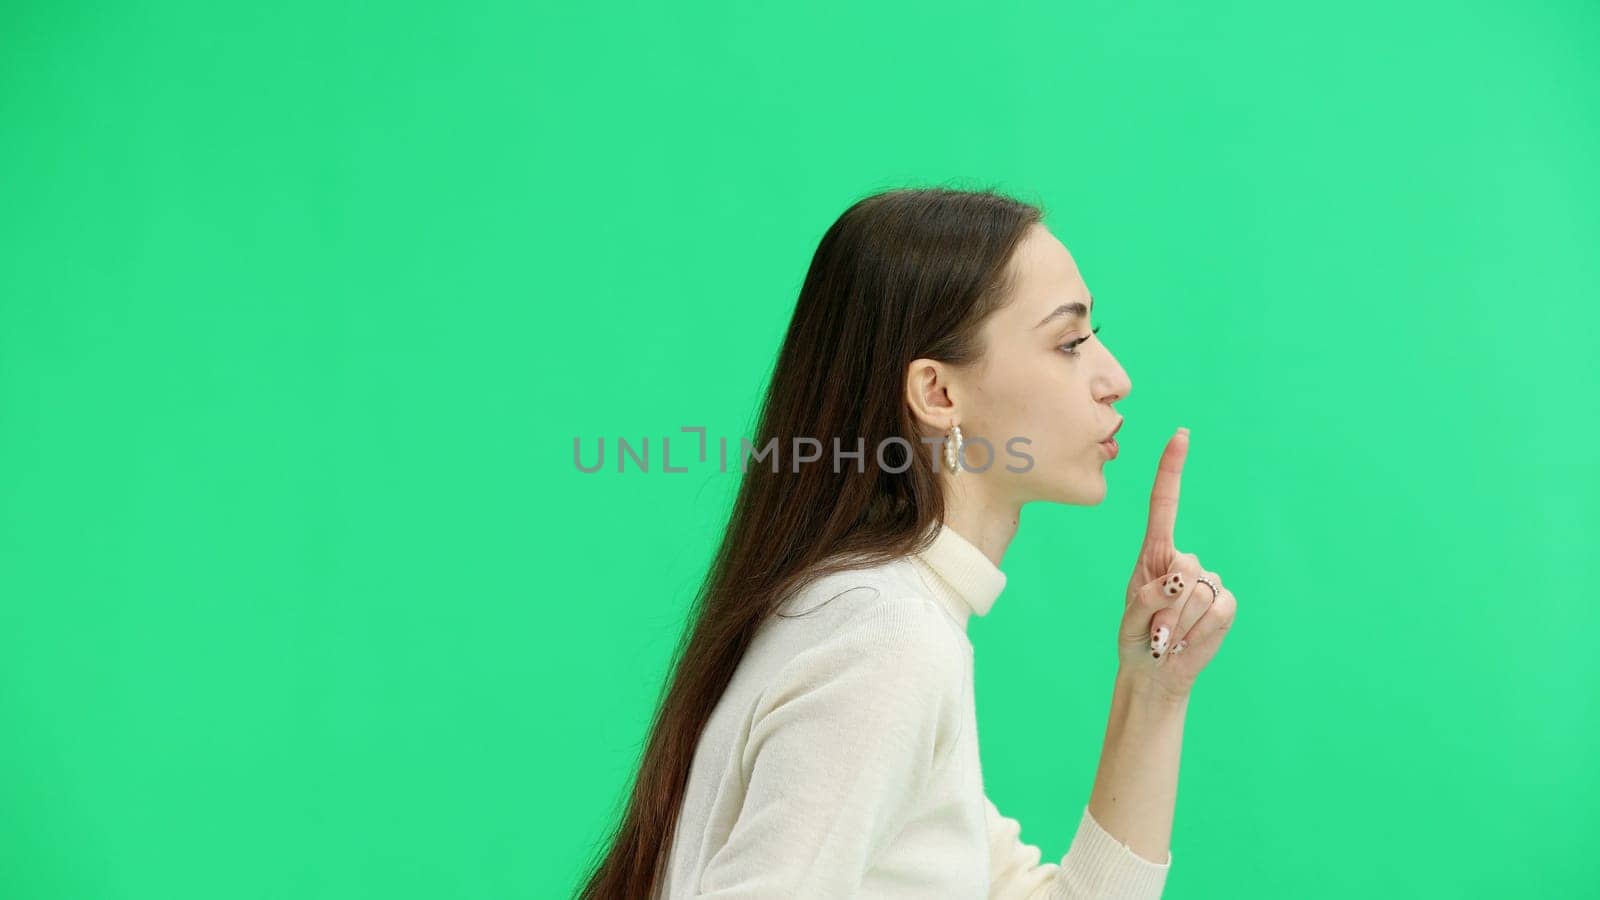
[1164,494]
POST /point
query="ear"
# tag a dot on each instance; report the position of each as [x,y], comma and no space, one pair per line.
[929,386]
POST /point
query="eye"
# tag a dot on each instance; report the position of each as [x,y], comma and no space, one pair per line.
[1071,347]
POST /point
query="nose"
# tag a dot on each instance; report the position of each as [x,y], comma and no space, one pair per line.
[1112,384]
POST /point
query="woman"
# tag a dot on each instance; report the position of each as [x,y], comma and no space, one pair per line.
[817,737]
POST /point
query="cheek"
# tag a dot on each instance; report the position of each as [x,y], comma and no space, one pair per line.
[1048,438]
[1006,405]
[1069,432]
[1044,404]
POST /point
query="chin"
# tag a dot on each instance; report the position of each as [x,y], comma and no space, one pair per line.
[1085,490]
[1092,495]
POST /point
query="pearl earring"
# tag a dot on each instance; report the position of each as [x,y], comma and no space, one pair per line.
[952,450]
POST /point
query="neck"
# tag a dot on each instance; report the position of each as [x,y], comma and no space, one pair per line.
[986,522]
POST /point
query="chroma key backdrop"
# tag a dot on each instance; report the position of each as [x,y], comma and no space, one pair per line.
[304,308]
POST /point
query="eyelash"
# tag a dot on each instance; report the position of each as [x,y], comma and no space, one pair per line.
[1071,349]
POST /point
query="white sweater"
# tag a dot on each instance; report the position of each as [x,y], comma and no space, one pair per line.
[842,760]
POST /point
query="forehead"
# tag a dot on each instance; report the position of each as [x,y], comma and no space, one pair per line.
[1046,276]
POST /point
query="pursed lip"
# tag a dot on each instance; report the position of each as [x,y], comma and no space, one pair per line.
[1113,432]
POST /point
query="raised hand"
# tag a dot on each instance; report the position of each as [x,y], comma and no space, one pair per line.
[1173,623]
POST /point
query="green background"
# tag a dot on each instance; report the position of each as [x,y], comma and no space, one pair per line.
[302,306]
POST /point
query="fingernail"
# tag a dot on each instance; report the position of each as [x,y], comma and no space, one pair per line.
[1181,644]
[1173,585]
[1158,643]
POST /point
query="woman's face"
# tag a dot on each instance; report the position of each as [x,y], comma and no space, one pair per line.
[1045,381]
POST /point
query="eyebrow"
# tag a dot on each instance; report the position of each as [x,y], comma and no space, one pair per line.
[1074,310]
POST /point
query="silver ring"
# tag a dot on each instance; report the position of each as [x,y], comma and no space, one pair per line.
[1216,589]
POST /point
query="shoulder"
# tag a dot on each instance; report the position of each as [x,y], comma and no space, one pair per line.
[901,642]
[889,680]
[906,627]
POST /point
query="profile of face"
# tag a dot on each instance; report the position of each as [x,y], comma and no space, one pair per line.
[1044,382]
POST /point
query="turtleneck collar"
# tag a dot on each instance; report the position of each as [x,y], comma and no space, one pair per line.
[961,577]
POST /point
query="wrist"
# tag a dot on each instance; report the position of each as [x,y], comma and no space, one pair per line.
[1148,692]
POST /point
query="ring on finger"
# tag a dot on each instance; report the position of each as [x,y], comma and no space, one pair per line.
[1216,589]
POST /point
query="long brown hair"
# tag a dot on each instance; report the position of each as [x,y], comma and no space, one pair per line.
[901,275]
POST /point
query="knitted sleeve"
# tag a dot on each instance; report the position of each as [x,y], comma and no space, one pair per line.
[1095,865]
